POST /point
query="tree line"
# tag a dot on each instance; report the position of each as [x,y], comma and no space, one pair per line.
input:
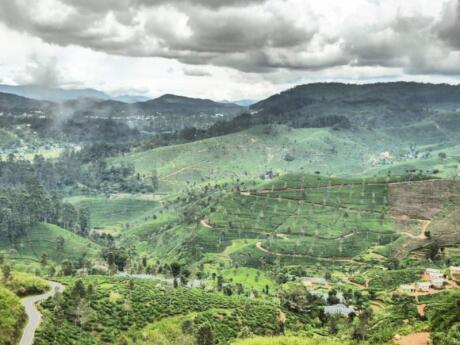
[24,205]
[74,173]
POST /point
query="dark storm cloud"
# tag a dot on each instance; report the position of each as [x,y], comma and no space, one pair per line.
[102,6]
[248,35]
[449,27]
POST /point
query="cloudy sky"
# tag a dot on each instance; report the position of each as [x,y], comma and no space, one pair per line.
[226,49]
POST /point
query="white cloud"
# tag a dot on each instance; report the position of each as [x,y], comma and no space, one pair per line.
[226,49]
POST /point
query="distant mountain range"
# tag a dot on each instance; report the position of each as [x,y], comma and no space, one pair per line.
[58,95]
[242,102]
[43,93]
[336,105]
[130,98]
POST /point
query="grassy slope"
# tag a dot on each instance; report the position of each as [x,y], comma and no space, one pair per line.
[12,317]
[253,152]
[290,341]
[23,284]
[346,152]
[311,222]
[115,212]
[27,250]
[302,217]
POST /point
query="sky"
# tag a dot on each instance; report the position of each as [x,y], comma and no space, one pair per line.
[226,49]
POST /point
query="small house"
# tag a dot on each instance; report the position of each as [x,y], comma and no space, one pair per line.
[432,273]
[423,286]
[438,283]
[338,309]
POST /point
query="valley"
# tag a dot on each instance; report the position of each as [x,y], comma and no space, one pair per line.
[327,214]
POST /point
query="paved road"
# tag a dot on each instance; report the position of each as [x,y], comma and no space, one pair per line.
[34,316]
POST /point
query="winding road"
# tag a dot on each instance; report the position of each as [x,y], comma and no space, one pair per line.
[33,315]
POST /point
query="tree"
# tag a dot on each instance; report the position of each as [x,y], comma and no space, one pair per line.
[84,221]
[332,297]
[6,272]
[333,326]
[66,268]
[60,244]
[205,335]
[44,259]
[78,290]
[220,282]
[69,216]
[433,251]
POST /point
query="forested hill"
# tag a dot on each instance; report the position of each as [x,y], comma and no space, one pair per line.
[89,119]
[170,104]
[18,104]
[372,105]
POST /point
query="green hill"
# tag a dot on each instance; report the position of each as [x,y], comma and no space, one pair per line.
[301,218]
[114,213]
[144,309]
[26,251]
[432,144]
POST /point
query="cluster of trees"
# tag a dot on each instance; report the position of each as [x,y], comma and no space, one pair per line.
[75,171]
[445,324]
[245,121]
[25,205]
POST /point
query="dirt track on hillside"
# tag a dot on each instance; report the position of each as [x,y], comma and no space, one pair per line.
[260,246]
[421,338]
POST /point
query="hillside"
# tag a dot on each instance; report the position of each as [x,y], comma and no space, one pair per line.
[155,313]
[117,212]
[429,145]
[174,104]
[300,218]
[12,317]
[371,105]
[51,94]
[25,253]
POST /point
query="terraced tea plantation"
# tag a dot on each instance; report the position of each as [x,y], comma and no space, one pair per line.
[136,309]
[301,216]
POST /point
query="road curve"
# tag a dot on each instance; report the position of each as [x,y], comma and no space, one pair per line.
[33,315]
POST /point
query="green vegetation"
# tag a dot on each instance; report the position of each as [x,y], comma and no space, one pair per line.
[112,306]
[290,341]
[25,284]
[50,241]
[247,231]
[445,320]
[12,317]
[117,211]
[390,280]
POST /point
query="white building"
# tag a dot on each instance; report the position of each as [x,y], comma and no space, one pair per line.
[433,273]
[338,309]
[438,283]
[423,286]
